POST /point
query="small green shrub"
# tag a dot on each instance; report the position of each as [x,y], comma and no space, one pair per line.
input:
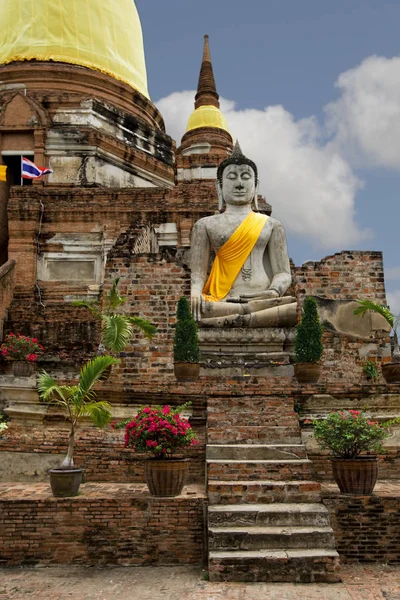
[308,346]
[186,346]
[348,433]
[370,369]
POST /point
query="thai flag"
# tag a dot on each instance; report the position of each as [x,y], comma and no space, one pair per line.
[30,171]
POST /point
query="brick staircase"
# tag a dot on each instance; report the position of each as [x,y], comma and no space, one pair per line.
[266,521]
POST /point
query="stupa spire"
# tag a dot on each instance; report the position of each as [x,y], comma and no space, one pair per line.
[206,89]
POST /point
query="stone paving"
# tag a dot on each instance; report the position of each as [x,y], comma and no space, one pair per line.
[360,582]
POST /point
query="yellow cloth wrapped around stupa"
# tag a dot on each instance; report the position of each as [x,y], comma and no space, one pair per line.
[105,35]
[231,257]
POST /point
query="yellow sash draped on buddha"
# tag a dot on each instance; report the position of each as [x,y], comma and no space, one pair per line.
[231,257]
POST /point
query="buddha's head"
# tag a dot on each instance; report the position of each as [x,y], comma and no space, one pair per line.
[237,179]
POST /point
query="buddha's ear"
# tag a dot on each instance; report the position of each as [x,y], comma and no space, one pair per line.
[255,201]
[221,202]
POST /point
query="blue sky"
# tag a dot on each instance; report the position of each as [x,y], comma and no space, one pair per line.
[329,153]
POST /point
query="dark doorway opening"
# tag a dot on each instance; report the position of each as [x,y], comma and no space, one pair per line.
[13,162]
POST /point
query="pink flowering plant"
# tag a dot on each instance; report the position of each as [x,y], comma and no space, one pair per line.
[347,434]
[21,347]
[160,430]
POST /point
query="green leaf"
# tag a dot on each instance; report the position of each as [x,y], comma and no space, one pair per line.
[113,298]
[93,307]
[117,332]
[147,328]
[99,412]
[374,307]
[91,372]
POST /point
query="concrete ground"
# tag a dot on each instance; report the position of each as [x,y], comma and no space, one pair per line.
[360,582]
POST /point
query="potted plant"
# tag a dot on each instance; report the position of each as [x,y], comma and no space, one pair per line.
[370,370]
[3,425]
[390,371]
[78,400]
[186,345]
[308,346]
[347,434]
[23,351]
[162,432]
[116,328]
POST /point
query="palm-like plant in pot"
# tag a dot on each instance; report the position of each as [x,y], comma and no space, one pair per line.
[78,401]
[116,328]
[186,345]
[390,371]
[308,346]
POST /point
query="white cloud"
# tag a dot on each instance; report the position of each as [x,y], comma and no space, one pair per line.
[308,182]
[393,300]
[365,120]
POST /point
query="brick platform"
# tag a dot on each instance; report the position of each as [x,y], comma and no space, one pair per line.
[367,528]
[107,524]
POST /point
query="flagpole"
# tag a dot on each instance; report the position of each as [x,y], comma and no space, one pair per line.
[22,180]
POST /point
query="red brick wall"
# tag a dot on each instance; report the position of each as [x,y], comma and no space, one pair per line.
[367,528]
[389,465]
[7,282]
[102,526]
[100,452]
[345,275]
[152,284]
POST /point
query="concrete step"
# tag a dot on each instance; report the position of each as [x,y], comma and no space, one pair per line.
[273,538]
[273,566]
[255,451]
[281,470]
[253,435]
[277,514]
[263,491]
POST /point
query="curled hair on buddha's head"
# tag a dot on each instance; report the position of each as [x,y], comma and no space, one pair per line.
[236,158]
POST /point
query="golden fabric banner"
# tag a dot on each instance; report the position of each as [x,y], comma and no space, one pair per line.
[3,173]
[105,35]
[231,257]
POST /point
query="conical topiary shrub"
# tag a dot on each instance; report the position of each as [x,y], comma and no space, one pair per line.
[186,346]
[308,346]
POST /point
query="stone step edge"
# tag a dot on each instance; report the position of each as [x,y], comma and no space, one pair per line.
[271,530]
[282,507]
[267,446]
[271,482]
[284,461]
[277,554]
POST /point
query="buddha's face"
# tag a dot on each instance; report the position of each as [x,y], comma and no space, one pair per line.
[238,184]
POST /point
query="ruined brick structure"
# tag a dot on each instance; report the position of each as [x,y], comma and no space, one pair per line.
[121,202]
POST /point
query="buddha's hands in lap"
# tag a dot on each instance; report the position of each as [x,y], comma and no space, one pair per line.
[260,295]
[197,304]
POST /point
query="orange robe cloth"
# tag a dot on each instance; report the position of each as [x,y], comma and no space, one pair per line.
[231,257]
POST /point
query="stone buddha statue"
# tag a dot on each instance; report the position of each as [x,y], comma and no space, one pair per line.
[251,271]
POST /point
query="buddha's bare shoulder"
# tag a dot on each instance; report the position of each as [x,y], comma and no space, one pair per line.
[206,222]
[275,224]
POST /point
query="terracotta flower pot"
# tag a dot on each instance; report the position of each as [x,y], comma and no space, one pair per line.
[22,368]
[166,477]
[307,372]
[186,371]
[65,482]
[391,372]
[355,475]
